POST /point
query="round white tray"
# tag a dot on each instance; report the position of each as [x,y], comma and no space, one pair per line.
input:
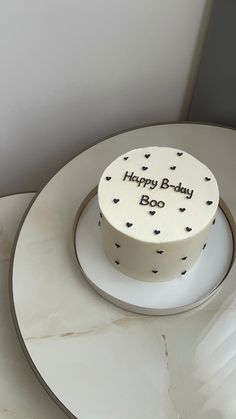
[154,298]
[96,359]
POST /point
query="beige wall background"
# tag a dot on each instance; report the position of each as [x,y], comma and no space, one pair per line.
[75,71]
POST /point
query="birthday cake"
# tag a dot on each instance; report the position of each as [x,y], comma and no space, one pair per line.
[157,205]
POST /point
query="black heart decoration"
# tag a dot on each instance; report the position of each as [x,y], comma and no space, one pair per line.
[116,200]
[108,178]
[144,167]
[183,273]
[214,221]
[184,258]
[209,202]
[126,158]
[129,224]
[160,251]
[204,246]
[207,179]
[117,245]
[182,209]
[156,231]
[117,262]
[173,167]
[155,271]
[179,154]
[101,215]
[99,223]
[147,156]
[188,229]
[152,212]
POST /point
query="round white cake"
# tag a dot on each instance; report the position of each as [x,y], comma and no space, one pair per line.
[157,205]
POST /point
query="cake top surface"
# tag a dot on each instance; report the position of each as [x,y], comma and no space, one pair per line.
[158,194]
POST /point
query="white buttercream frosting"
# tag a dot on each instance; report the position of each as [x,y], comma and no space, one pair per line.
[156,196]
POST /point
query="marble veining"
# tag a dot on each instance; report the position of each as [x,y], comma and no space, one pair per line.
[170,390]
[118,322]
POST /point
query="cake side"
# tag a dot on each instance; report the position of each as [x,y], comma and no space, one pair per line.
[152,262]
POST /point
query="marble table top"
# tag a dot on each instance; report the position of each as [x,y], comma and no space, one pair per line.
[21,395]
[101,362]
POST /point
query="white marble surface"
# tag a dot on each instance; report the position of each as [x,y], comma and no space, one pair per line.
[103,362]
[21,395]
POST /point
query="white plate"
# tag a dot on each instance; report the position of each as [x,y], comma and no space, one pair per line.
[154,298]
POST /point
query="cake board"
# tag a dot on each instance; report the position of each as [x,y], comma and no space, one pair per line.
[153,298]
